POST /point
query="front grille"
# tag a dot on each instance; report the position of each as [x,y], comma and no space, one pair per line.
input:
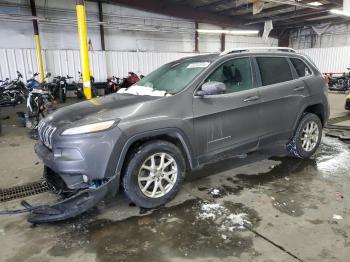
[46,132]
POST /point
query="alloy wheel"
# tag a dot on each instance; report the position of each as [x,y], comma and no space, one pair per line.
[309,136]
[157,175]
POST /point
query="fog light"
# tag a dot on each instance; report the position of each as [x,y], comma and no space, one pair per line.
[85,179]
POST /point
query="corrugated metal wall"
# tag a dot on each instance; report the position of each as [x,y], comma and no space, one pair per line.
[66,62]
[120,63]
[330,60]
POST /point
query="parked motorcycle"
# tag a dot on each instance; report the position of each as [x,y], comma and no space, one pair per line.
[340,83]
[131,79]
[79,90]
[40,102]
[59,87]
[13,92]
[32,82]
[114,84]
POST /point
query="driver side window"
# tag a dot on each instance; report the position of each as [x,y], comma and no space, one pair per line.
[236,74]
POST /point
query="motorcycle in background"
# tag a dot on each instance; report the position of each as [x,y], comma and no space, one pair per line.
[13,92]
[59,87]
[114,84]
[340,83]
[131,79]
[80,89]
[40,102]
[32,82]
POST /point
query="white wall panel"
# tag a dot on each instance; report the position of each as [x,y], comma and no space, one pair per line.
[12,60]
[120,63]
[330,60]
[249,41]
[66,62]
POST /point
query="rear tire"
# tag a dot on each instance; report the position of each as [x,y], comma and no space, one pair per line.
[307,137]
[154,174]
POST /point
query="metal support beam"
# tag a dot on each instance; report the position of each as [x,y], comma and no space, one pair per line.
[184,11]
[292,24]
[102,31]
[196,38]
[213,4]
[84,49]
[222,41]
[39,56]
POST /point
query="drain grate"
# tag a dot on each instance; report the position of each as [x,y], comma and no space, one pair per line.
[17,192]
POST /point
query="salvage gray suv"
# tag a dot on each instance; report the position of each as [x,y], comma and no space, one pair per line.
[178,118]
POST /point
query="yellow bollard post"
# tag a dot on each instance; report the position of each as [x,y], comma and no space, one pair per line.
[84,51]
[39,56]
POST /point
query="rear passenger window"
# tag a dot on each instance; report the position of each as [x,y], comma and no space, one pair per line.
[274,70]
[301,68]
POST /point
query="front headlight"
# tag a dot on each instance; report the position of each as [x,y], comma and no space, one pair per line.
[91,128]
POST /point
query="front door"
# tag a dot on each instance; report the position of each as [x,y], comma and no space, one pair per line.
[229,121]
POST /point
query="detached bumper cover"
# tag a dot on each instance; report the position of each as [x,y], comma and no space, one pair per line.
[74,205]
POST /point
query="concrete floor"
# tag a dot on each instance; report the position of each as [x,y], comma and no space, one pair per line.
[253,209]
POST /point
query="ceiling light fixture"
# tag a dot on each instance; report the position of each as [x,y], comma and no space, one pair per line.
[228,32]
[340,12]
[315,4]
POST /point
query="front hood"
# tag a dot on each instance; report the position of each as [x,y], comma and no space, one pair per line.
[111,107]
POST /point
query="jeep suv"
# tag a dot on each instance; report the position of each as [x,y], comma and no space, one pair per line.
[178,118]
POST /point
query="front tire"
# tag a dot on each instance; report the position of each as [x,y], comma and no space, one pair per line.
[154,174]
[62,95]
[307,137]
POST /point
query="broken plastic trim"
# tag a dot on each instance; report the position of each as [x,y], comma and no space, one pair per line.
[74,205]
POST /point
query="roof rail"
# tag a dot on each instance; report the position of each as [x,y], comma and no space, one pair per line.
[250,49]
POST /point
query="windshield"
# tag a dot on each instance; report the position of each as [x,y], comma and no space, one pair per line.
[174,77]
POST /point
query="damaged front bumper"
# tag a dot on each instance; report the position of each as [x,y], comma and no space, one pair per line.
[74,205]
[81,168]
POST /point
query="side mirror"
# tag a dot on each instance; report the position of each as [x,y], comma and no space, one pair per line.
[212,88]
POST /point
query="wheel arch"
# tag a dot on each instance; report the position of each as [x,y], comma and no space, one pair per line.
[172,135]
[315,108]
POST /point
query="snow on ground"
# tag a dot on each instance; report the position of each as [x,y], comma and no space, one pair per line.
[223,217]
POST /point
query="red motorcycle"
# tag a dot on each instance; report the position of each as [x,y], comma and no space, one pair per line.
[115,83]
[132,79]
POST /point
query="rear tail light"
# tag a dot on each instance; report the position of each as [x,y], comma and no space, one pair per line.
[326,78]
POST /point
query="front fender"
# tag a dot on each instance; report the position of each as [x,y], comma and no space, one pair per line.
[174,132]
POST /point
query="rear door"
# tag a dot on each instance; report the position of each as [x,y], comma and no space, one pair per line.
[282,93]
[229,121]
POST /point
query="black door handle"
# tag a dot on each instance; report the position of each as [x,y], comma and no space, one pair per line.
[251,98]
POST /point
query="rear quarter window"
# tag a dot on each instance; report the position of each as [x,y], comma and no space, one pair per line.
[300,67]
[274,70]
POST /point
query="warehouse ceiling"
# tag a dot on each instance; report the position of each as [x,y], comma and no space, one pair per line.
[239,13]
